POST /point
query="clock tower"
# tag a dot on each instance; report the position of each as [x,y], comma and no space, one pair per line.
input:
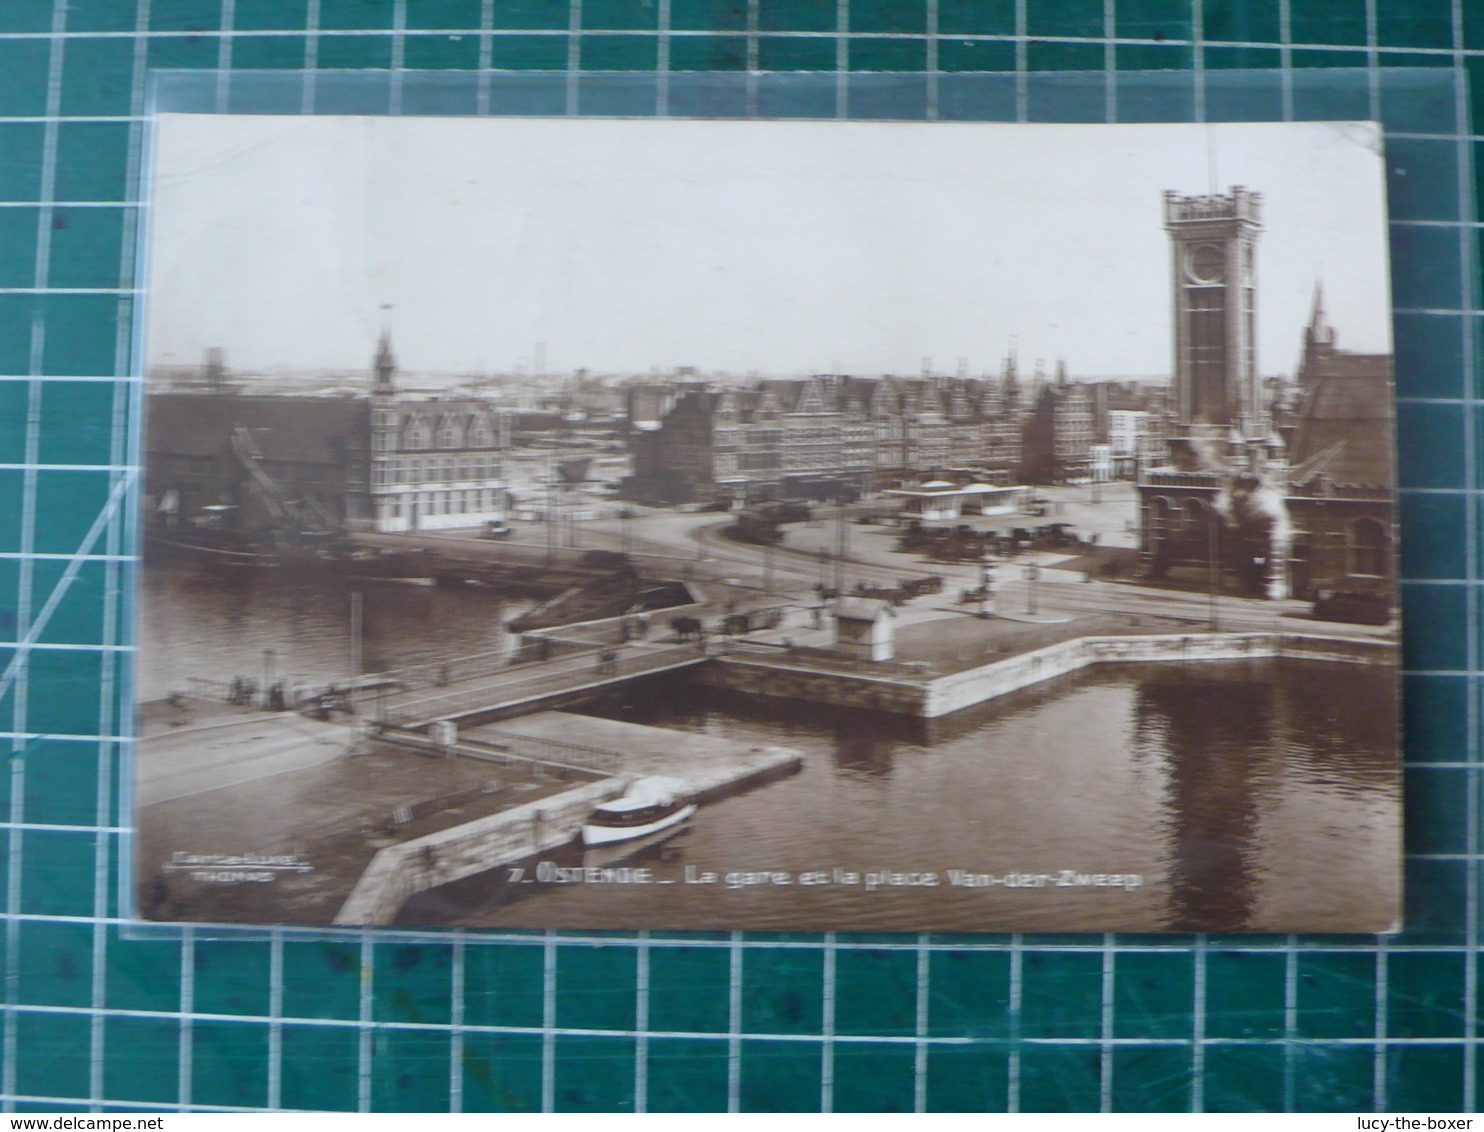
[1213,245]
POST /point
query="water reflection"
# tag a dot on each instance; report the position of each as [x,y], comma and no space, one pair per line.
[1218,740]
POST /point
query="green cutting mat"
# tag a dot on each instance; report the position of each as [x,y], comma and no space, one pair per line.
[95,1015]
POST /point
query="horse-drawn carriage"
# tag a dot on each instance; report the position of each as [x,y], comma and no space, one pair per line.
[904,591]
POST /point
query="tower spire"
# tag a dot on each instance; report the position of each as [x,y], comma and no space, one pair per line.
[1318,318]
[385,365]
[1319,338]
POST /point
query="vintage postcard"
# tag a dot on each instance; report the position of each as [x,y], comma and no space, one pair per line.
[771,525]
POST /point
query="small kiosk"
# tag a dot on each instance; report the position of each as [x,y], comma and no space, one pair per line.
[939,499]
[865,629]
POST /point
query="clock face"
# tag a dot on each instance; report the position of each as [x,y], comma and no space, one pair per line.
[1206,263]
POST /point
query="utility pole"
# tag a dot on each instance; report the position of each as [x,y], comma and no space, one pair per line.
[551,519]
[840,548]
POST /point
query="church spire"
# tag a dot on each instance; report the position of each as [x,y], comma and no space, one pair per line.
[385,365]
[1319,328]
[1319,338]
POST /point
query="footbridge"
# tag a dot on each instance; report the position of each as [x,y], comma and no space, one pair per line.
[480,694]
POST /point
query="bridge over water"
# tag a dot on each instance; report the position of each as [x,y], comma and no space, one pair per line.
[477,692]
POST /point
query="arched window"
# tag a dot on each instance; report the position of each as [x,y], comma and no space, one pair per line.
[448,432]
[1366,546]
[1159,516]
[479,433]
[1194,515]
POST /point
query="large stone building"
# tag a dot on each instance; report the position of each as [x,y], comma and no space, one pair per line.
[1058,434]
[435,461]
[391,461]
[1238,502]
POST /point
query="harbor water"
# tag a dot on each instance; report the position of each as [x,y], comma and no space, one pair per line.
[1202,796]
[198,622]
[1218,796]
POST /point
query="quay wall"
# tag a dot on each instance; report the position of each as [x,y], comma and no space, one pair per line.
[768,677]
[946,694]
[398,872]
[965,689]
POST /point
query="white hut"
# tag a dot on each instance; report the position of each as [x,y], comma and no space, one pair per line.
[865,628]
[939,499]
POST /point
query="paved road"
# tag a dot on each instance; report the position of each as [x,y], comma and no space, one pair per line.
[191,761]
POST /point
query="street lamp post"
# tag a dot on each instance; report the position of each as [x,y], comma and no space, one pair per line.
[1213,552]
[355,646]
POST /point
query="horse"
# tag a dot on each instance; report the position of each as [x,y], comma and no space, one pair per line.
[687,628]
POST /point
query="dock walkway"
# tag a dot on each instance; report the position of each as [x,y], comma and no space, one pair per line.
[709,766]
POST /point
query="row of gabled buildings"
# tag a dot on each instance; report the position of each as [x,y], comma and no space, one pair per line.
[831,434]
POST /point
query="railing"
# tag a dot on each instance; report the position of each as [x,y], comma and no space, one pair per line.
[1181,479]
[204,689]
[527,684]
[542,750]
[547,758]
[436,673]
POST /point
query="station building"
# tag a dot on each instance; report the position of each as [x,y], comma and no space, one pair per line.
[1259,497]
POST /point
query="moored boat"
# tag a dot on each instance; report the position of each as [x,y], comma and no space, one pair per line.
[648,806]
[648,847]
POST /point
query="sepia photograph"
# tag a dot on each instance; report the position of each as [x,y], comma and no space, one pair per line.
[770,525]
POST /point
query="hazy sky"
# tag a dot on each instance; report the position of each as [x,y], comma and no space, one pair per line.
[780,247]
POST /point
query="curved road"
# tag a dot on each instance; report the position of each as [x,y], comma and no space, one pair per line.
[691,545]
